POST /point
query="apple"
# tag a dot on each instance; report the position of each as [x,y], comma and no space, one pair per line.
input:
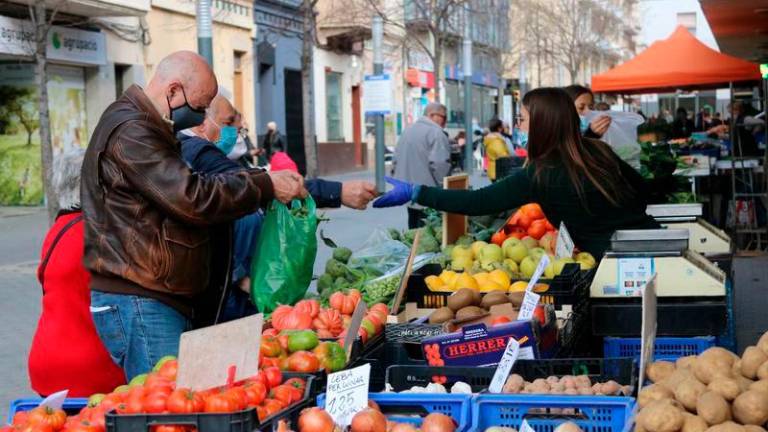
[527,267]
[476,247]
[95,399]
[548,241]
[510,242]
[138,380]
[516,252]
[586,260]
[162,361]
[511,265]
[536,253]
[530,242]
[560,264]
[549,271]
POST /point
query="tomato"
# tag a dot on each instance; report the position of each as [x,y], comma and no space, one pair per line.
[169,428]
[296,382]
[282,393]
[134,402]
[157,382]
[297,393]
[273,375]
[20,418]
[261,412]
[500,320]
[331,356]
[169,369]
[270,347]
[283,364]
[85,426]
[255,392]
[238,395]
[155,402]
[537,229]
[111,400]
[498,238]
[39,427]
[95,416]
[185,401]
[303,361]
[270,332]
[220,403]
[272,406]
[283,339]
[270,362]
[47,415]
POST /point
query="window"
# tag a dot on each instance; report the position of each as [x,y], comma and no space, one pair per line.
[333,106]
[687,20]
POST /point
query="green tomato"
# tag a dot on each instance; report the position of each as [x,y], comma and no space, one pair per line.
[304,340]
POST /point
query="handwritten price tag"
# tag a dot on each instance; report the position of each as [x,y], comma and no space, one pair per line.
[564,245]
[508,360]
[347,393]
[543,263]
[530,301]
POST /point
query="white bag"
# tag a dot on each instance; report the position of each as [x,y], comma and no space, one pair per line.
[622,134]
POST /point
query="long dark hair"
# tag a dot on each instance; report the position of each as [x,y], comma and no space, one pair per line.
[575,90]
[554,136]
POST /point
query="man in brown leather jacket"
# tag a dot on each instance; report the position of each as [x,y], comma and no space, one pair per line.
[147,243]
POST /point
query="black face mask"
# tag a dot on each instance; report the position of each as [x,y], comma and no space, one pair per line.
[185,117]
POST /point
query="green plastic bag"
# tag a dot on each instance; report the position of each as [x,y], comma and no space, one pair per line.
[285,254]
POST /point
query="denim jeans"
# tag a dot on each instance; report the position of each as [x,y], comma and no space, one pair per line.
[137,331]
[237,305]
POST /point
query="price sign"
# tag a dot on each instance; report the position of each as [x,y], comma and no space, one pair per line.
[530,301]
[543,263]
[347,393]
[564,245]
[525,427]
[508,360]
[56,400]
[634,274]
[648,329]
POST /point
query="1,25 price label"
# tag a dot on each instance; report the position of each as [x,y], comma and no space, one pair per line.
[347,393]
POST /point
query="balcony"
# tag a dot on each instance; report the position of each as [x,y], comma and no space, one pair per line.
[97,8]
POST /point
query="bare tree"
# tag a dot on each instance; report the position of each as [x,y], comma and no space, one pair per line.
[308,42]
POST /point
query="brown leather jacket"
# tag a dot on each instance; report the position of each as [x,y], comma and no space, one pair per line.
[147,214]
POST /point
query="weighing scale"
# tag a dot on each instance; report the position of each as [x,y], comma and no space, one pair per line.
[690,288]
[704,238]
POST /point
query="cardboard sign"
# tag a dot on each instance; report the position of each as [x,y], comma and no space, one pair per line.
[354,326]
[564,245]
[406,275]
[528,307]
[212,356]
[543,263]
[347,393]
[454,225]
[648,329]
[508,360]
[634,274]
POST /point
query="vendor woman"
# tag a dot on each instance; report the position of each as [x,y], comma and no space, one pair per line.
[576,180]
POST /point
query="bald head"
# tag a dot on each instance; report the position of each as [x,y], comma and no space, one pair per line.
[220,113]
[182,77]
[436,112]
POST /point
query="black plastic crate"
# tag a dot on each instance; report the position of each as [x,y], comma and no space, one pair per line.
[621,370]
[241,421]
[570,287]
[387,354]
[411,333]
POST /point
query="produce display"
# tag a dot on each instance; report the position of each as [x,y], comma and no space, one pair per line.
[156,393]
[467,303]
[716,391]
[570,385]
[372,419]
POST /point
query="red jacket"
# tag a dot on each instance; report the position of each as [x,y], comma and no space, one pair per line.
[66,351]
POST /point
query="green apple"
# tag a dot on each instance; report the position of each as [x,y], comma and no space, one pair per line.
[560,264]
[510,242]
[516,252]
[530,242]
[121,389]
[511,265]
[491,253]
[95,399]
[586,260]
[461,263]
[549,271]
[162,361]
[138,380]
[527,267]
[461,252]
[476,247]
[536,253]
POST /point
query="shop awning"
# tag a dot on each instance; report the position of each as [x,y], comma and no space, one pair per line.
[679,62]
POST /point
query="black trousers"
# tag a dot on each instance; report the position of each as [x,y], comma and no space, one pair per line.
[415,218]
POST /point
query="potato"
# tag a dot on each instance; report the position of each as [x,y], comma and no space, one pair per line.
[751,407]
[694,423]
[751,361]
[659,370]
[744,383]
[585,391]
[728,426]
[707,368]
[754,428]
[685,362]
[719,354]
[653,392]
[713,408]
[639,427]
[661,416]
[514,384]
[688,393]
[568,427]
[736,368]
[762,371]
[583,381]
[677,378]
[762,343]
[761,386]
[728,388]
[611,388]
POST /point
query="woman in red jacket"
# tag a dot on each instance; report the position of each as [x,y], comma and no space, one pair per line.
[66,351]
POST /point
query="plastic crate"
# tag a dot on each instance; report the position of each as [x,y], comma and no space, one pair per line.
[412,407]
[570,287]
[665,348]
[387,354]
[621,370]
[545,412]
[241,421]
[71,406]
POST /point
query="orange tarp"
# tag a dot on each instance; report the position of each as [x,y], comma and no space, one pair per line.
[679,62]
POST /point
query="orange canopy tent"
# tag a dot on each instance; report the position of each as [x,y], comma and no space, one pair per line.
[679,62]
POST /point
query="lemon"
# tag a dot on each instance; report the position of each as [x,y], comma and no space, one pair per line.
[465,280]
[481,278]
[434,283]
[518,286]
[500,277]
[490,285]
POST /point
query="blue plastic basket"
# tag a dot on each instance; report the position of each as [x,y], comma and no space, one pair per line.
[71,405]
[401,407]
[666,348]
[542,412]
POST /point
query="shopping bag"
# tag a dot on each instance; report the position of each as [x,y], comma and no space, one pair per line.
[285,254]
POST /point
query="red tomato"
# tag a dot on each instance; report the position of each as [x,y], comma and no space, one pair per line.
[500,320]
[155,402]
[296,382]
[272,406]
[283,339]
[282,393]
[261,412]
[20,418]
[85,426]
[273,375]
[303,361]
[498,238]
[185,401]
[39,427]
[111,400]
[270,347]
[157,382]
[43,415]
[169,428]
[540,315]
[220,403]
[238,395]
[168,369]
[537,229]
[256,392]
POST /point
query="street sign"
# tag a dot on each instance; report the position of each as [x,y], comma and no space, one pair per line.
[377,94]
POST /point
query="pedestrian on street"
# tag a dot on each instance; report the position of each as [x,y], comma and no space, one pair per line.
[244,151]
[495,146]
[273,141]
[66,351]
[423,155]
[146,214]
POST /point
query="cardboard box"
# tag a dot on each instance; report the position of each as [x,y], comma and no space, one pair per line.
[479,345]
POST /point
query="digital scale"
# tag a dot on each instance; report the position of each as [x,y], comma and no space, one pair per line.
[689,287]
[704,237]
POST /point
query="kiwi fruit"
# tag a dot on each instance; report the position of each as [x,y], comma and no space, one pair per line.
[463,298]
[516,298]
[493,298]
[441,315]
[469,312]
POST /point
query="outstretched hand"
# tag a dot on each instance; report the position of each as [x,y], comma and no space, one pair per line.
[401,194]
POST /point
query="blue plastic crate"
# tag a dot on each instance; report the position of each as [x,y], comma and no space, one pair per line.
[666,348]
[457,406]
[71,405]
[591,413]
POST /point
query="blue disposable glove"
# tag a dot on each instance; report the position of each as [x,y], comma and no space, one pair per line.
[401,194]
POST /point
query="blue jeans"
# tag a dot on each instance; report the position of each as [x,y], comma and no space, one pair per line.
[137,331]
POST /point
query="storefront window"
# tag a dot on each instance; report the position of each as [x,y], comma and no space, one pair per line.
[483,104]
[333,106]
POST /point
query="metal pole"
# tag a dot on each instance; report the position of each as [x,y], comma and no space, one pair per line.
[378,69]
[204,31]
[466,68]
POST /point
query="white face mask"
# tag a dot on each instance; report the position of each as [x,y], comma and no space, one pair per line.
[239,149]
